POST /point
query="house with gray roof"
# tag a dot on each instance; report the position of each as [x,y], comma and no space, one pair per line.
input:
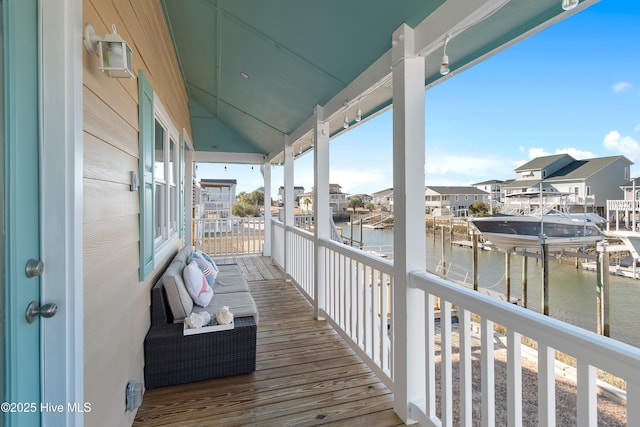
[494,188]
[452,200]
[383,199]
[574,185]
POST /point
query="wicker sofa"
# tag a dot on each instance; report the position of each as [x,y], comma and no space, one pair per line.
[174,358]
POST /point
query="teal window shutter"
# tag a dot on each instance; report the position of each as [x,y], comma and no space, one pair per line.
[146,138]
[180,183]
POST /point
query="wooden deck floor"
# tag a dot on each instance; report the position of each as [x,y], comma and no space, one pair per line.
[306,374]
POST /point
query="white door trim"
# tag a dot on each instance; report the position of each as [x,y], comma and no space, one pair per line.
[61,127]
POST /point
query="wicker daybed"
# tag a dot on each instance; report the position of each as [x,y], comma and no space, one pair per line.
[174,358]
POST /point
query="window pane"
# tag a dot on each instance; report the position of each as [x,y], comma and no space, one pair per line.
[160,216]
[172,161]
[173,209]
[159,163]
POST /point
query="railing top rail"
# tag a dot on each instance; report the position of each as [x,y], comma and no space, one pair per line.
[613,356]
[301,232]
[380,264]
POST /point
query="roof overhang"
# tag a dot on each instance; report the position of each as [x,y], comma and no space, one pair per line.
[255,71]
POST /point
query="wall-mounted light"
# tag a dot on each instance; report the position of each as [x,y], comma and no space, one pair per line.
[115,53]
[569,4]
[358,112]
[444,64]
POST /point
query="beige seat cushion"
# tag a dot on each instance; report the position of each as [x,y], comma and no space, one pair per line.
[179,300]
[227,284]
[227,270]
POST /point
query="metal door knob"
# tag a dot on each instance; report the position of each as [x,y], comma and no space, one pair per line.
[34,310]
[34,268]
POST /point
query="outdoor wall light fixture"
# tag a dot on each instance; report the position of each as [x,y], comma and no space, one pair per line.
[444,65]
[115,53]
[569,4]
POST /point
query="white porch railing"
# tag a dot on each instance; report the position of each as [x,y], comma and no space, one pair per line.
[300,256]
[277,243]
[358,292]
[358,303]
[590,350]
[229,236]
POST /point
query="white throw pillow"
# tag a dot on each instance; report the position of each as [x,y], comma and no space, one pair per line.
[197,285]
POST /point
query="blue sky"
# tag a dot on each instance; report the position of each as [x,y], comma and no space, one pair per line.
[573,88]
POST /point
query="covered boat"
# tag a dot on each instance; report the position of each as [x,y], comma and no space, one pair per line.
[550,226]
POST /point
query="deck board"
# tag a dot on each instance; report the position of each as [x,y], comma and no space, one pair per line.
[306,374]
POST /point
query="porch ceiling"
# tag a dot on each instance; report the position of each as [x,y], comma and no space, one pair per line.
[302,53]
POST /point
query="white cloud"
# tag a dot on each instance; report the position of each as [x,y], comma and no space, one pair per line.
[625,145]
[576,153]
[537,152]
[573,152]
[521,148]
[621,87]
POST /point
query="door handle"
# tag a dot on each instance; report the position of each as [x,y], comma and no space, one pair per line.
[34,310]
[34,268]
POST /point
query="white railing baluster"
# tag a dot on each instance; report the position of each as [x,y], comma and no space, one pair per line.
[587,400]
[384,321]
[375,316]
[446,363]
[430,368]
[514,379]
[488,374]
[546,385]
[340,297]
[466,382]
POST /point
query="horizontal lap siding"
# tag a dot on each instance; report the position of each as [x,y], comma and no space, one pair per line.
[116,305]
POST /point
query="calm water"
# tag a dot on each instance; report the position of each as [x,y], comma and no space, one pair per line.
[572,291]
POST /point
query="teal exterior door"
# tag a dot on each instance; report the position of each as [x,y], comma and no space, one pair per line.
[19,122]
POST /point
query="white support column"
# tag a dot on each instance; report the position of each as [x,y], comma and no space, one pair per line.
[409,234]
[288,201]
[266,174]
[321,208]
[188,197]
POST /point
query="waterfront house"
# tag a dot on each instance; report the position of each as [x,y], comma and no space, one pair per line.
[94,187]
[338,201]
[218,196]
[452,200]
[383,199]
[494,188]
[573,185]
[366,198]
[297,192]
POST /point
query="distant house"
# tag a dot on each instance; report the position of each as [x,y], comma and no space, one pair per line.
[364,197]
[454,201]
[218,196]
[572,184]
[628,189]
[297,191]
[383,198]
[338,201]
[494,188]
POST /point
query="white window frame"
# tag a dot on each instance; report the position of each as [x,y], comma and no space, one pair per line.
[169,233]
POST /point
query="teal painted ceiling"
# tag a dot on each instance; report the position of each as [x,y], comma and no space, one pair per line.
[301,53]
